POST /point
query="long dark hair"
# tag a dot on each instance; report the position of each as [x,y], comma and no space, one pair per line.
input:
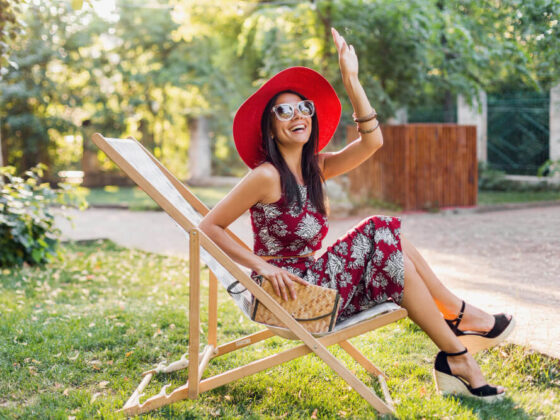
[312,175]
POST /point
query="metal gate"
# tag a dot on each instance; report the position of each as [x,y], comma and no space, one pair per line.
[518,131]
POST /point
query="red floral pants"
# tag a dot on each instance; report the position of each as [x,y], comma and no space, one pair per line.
[366,265]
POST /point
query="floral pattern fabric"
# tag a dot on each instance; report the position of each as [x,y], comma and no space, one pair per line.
[288,230]
[366,265]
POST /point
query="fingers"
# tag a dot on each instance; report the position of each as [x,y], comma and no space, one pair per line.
[282,288]
[299,280]
[339,41]
[274,283]
[291,288]
[342,46]
[279,284]
[283,283]
[336,39]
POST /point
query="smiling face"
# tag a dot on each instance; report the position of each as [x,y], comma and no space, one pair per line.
[295,132]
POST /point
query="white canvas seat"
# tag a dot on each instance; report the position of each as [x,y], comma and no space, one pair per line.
[187,211]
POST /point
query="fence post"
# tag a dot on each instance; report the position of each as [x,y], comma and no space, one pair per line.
[554,128]
[471,115]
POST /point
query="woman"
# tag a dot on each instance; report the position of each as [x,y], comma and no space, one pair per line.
[278,132]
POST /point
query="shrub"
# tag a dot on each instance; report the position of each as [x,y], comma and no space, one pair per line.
[27,231]
[490,179]
[550,169]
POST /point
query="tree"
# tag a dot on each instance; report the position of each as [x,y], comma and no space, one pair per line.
[33,91]
[10,27]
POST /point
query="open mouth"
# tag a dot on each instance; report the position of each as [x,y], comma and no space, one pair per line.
[298,128]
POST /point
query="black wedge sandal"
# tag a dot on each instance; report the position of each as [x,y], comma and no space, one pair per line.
[448,383]
[476,340]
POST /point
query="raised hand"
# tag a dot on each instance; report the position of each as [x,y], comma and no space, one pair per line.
[347,58]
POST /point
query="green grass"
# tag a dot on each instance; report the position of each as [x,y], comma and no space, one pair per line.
[136,199]
[76,335]
[502,197]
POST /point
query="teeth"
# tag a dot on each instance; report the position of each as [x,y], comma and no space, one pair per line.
[298,127]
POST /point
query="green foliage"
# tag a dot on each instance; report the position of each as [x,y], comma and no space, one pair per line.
[551,168]
[153,68]
[488,198]
[36,94]
[11,26]
[491,179]
[27,231]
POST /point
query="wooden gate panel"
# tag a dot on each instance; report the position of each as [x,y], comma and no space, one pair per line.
[420,166]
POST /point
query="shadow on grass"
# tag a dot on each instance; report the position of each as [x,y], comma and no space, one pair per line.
[504,409]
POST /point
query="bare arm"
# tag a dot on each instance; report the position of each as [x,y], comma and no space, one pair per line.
[259,185]
[336,163]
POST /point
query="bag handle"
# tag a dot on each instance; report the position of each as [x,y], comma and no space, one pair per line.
[230,288]
[259,278]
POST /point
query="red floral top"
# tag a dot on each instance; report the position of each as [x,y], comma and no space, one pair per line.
[288,230]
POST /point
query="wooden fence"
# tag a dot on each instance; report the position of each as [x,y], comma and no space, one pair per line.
[420,166]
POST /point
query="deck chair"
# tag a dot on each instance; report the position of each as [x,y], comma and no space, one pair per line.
[187,211]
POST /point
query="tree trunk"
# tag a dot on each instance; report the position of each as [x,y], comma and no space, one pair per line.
[148,139]
[448,102]
[326,20]
[1,149]
[200,153]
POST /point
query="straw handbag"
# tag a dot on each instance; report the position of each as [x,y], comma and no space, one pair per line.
[315,308]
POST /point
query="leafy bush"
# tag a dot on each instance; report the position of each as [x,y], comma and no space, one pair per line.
[550,169]
[27,232]
[490,179]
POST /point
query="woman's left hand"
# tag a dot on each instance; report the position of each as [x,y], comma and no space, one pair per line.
[347,58]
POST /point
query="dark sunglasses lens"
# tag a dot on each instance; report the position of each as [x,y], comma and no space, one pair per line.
[306,108]
[284,111]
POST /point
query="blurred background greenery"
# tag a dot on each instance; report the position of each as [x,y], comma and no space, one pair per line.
[153,69]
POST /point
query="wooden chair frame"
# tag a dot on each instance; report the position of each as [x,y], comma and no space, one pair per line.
[196,361]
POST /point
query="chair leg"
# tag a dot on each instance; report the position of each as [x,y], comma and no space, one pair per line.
[361,359]
[212,309]
[370,367]
[194,311]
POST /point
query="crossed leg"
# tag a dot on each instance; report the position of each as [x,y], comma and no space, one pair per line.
[424,296]
[448,303]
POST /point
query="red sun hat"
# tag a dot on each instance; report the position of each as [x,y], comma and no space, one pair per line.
[309,83]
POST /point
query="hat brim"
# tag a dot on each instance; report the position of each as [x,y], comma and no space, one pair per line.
[309,83]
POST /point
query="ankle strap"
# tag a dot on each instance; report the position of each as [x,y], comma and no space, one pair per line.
[459,353]
[459,318]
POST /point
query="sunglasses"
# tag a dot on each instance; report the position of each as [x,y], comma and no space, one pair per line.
[286,112]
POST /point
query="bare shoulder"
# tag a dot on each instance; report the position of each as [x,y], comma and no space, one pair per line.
[266,172]
[256,187]
[267,179]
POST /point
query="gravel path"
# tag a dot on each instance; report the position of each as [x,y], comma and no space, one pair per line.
[501,261]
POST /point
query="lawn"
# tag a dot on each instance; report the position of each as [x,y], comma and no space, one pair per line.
[503,197]
[76,335]
[136,199]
